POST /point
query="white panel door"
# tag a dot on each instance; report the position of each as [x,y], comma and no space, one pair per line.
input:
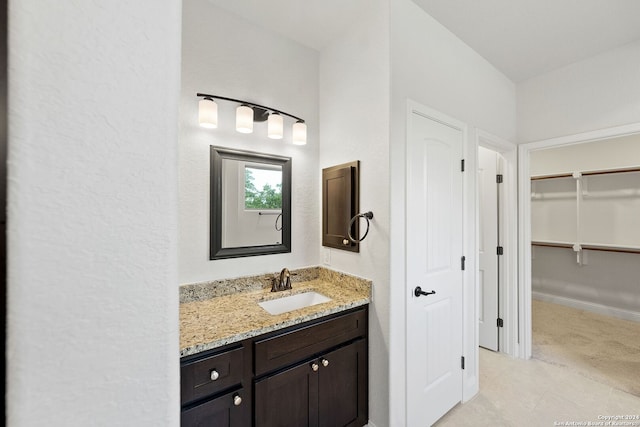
[434,251]
[487,245]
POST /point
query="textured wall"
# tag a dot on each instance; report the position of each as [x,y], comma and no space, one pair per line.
[93,304]
[225,55]
[354,108]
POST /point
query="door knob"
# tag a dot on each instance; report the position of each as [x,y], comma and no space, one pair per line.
[325,362]
[314,366]
[418,291]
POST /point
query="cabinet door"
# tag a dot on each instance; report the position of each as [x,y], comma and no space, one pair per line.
[223,411]
[342,397]
[340,201]
[288,398]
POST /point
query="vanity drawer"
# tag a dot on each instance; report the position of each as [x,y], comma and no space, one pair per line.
[228,410]
[210,375]
[289,347]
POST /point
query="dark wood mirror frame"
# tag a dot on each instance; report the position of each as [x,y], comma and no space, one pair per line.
[216,249]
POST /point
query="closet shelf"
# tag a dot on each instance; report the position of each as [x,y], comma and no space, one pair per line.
[588,246]
[587,173]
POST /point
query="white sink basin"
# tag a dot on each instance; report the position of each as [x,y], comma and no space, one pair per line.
[293,302]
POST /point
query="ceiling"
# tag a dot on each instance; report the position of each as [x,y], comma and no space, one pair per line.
[522,38]
[312,23]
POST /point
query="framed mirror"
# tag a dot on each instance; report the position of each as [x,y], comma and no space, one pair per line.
[250,203]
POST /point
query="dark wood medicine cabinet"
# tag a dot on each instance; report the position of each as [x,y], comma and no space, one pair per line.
[340,203]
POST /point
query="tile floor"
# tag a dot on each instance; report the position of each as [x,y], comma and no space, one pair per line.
[515,392]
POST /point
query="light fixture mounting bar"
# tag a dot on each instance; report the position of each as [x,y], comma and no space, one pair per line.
[250,104]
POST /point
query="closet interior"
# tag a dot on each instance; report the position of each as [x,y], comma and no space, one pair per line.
[585,226]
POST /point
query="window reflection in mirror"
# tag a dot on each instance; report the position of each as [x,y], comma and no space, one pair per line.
[263,187]
[250,203]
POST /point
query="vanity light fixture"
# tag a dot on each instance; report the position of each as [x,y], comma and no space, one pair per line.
[208,113]
[247,113]
[275,126]
[244,119]
[299,133]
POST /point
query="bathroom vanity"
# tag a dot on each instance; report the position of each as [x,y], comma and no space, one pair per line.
[242,366]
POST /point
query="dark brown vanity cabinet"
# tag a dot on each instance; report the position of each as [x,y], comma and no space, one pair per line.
[216,387]
[325,392]
[313,374]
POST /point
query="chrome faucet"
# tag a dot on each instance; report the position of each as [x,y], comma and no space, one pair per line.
[283,283]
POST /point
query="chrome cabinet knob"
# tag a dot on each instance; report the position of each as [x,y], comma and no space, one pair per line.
[325,362]
[314,366]
[214,375]
[237,400]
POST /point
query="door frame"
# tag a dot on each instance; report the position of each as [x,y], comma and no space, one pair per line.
[508,269]
[524,217]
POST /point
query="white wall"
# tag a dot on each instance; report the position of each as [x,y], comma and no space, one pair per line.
[433,67]
[597,93]
[607,284]
[354,125]
[225,55]
[612,153]
[92,211]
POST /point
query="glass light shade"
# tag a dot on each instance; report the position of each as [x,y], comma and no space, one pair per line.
[208,113]
[275,126]
[244,119]
[299,133]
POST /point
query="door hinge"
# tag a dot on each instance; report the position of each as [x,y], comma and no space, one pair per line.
[462,362]
[500,323]
[462,165]
[499,178]
[500,250]
[462,261]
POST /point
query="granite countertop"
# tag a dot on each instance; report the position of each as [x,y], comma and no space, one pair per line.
[220,320]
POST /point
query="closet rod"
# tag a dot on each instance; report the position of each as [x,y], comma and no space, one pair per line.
[587,173]
[608,171]
[611,249]
[588,247]
[560,175]
[553,244]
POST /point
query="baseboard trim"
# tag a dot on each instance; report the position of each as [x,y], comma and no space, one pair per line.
[588,306]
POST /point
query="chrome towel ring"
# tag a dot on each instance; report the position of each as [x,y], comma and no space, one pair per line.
[367,216]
